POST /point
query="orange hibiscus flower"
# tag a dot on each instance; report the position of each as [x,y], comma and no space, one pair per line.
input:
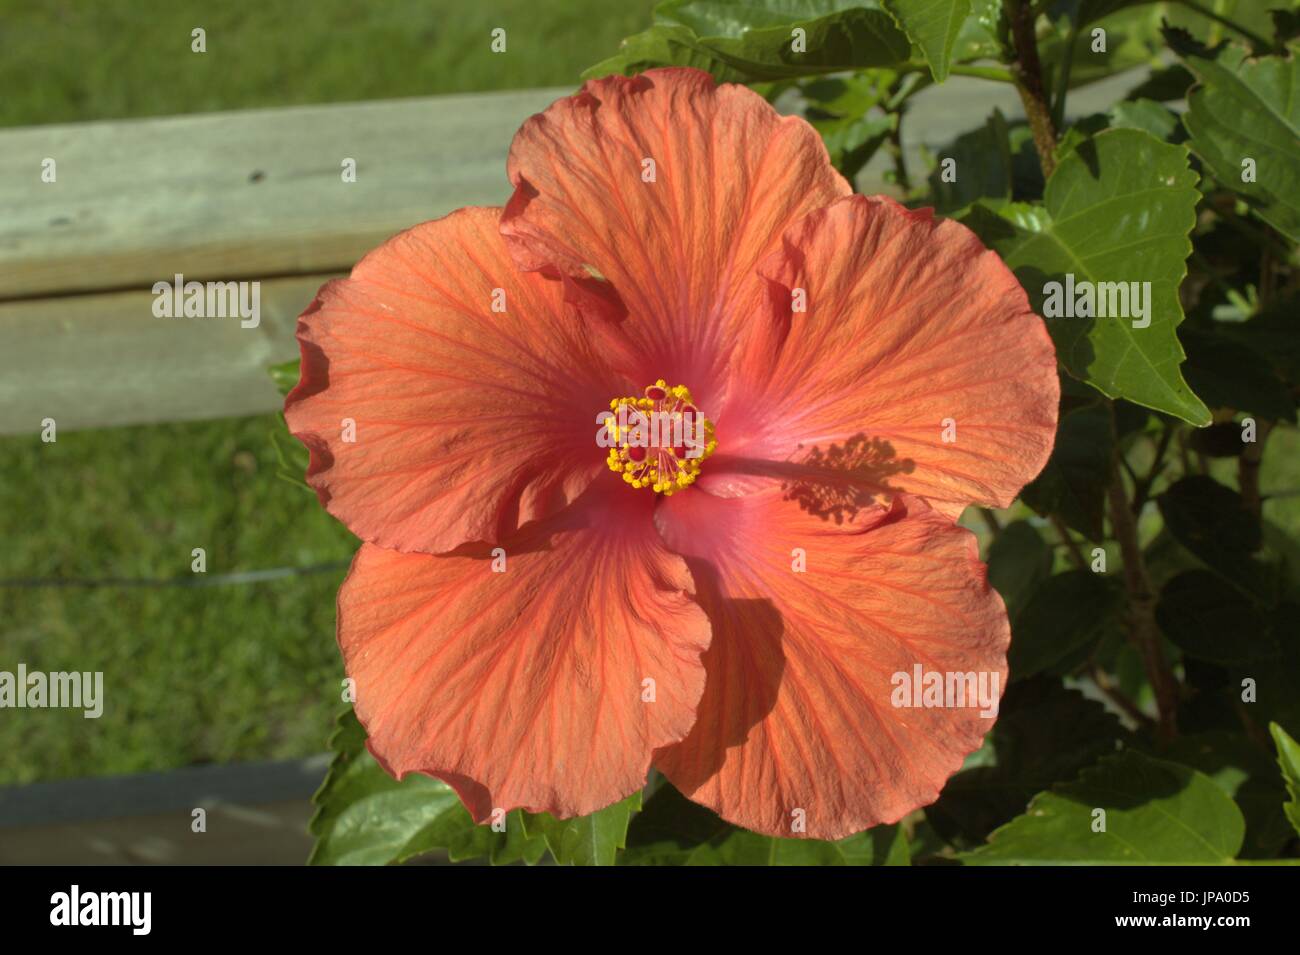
[547,604]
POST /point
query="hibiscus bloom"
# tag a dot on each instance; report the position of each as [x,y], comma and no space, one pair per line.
[539,620]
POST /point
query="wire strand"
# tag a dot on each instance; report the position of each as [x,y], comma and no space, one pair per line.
[194,580]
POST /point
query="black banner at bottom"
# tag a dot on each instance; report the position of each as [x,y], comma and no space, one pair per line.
[213,905]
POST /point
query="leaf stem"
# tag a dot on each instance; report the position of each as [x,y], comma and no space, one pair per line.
[1258,41]
[994,73]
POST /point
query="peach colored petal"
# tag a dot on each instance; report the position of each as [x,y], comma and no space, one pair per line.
[797,713]
[525,688]
[730,175]
[469,421]
[911,327]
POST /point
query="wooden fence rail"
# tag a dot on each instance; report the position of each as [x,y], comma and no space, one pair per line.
[255,195]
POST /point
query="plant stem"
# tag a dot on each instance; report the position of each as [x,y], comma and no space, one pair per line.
[910,83]
[1142,488]
[995,73]
[1267,284]
[1248,469]
[1113,694]
[1028,74]
[1076,554]
[895,146]
[991,522]
[1258,41]
[1063,78]
[1143,632]
[1260,236]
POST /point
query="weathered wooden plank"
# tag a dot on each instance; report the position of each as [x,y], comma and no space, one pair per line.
[273,834]
[256,814]
[118,797]
[261,193]
[242,194]
[91,361]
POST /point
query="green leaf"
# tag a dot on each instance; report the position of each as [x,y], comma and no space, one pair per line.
[1118,208]
[743,41]
[848,113]
[1211,521]
[1227,373]
[993,161]
[1147,115]
[1280,541]
[1219,440]
[1090,11]
[981,35]
[668,46]
[1209,619]
[366,817]
[853,140]
[1156,812]
[587,840]
[1045,734]
[1272,332]
[1132,39]
[1265,689]
[1081,131]
[1066,614]
[1286,25]
[1288,757]
[1164,84]
[1249,108]
[933,25]
[1019,560]
[1073,483]
[1243,770]
[673,831]
[285,375]
[291,456]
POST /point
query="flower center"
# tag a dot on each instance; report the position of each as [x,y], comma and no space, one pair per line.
[658,440]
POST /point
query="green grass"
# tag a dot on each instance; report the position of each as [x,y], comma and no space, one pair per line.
[76,60]
[191,674]
[248,671]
